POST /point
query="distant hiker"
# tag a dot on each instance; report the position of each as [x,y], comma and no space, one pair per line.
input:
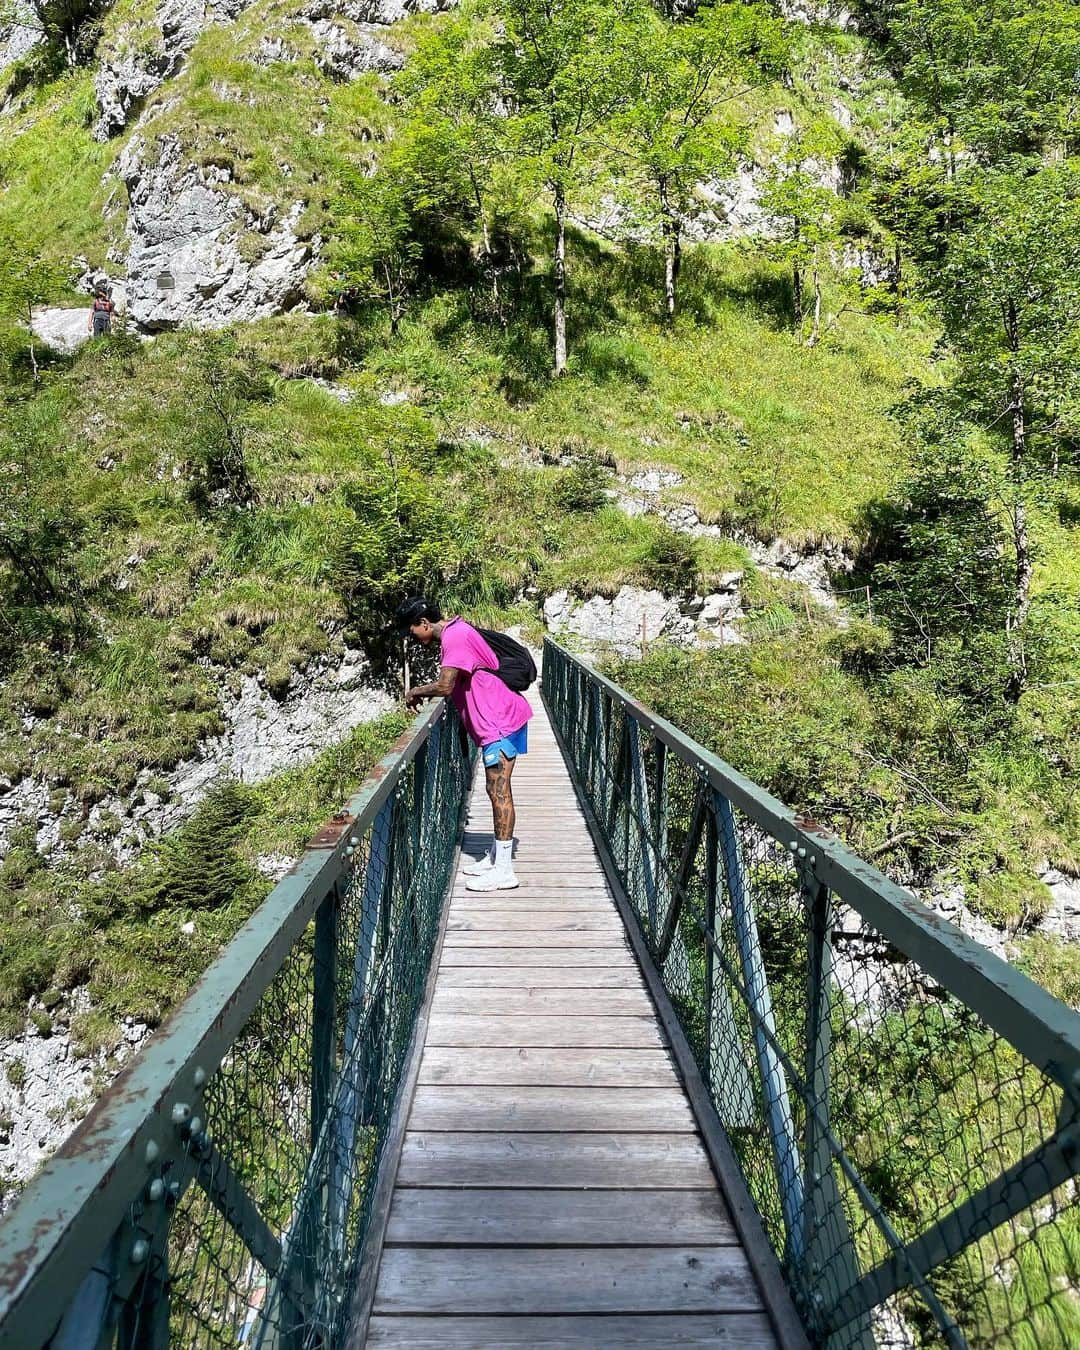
[484,684]
[101,313]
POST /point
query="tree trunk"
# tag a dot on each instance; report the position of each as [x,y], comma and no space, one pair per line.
[1024,565]
[669,225]
[33,352]
[560,279]
[796,293]
[815,331]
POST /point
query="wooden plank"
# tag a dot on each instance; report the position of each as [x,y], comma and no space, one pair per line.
[537,922]
[548,1002]
[565,1280]
[539,977]
[591,884]
[541,1066]
[621,1162]
[613,958]
[613,939]
[625,1032]
[529,908]
[531,893]
[560,1218]
[490,1107]
[714,1331]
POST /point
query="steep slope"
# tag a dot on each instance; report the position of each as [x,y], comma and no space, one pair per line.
[230,514]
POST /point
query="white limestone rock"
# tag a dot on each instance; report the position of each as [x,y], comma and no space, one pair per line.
[345,55]
[64,330]
[635,617]
[46,1087]
[1062,919]
[133,69]
[19,35]
[185,260]
[263,736]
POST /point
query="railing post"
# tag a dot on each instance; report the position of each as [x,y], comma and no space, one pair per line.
[828,1250]
[781,1126]
[727,1076]
[317,1235]
[642,856]
[660,836]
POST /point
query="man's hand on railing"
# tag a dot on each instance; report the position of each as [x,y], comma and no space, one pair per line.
[442,688]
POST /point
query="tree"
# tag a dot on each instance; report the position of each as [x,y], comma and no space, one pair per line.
[231,379]
[992,78]
[561,76]
[451,104]
[1008,288]
[376,255]
[26,280]
[805,213]
[672,134]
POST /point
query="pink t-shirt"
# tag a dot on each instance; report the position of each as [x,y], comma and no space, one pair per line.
[489,709]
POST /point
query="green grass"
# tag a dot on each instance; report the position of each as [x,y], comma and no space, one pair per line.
[50,174]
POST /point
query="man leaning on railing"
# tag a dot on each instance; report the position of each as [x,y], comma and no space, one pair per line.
[483,673]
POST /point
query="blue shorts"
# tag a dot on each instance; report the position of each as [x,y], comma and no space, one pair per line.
[517,743]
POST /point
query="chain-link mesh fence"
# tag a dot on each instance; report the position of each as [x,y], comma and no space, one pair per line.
[244,1192]
[902,1105]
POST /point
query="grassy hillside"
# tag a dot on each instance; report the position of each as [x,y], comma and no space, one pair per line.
[212,509]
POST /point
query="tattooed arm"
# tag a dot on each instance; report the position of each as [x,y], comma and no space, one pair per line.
[442,688]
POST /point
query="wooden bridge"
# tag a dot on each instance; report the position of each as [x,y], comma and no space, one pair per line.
[637,1102]
[552,1189]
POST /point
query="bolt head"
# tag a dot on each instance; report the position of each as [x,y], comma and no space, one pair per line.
[181,1113]
[153,1151]
[200,1078]
[140,1250]
[155,1190]
[195,1128]
[793,846]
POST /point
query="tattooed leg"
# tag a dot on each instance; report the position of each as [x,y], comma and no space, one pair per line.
[502,798]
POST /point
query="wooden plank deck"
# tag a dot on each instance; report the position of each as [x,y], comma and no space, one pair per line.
[553,1190]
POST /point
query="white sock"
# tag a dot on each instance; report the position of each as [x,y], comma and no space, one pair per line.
[504,853]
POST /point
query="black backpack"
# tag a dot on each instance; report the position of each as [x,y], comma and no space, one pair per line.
[516,668]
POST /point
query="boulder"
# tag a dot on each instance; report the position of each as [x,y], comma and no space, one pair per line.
[64,330]
[1062,919]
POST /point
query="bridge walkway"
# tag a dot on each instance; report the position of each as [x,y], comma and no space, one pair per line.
[553,1190]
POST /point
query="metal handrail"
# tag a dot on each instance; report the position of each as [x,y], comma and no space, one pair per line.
[89,1250]
[706,857]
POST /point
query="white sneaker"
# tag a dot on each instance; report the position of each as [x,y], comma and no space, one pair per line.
[494,879]
[478,866]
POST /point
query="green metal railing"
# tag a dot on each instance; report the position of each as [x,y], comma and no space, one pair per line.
[903,1106]
[219,1193]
